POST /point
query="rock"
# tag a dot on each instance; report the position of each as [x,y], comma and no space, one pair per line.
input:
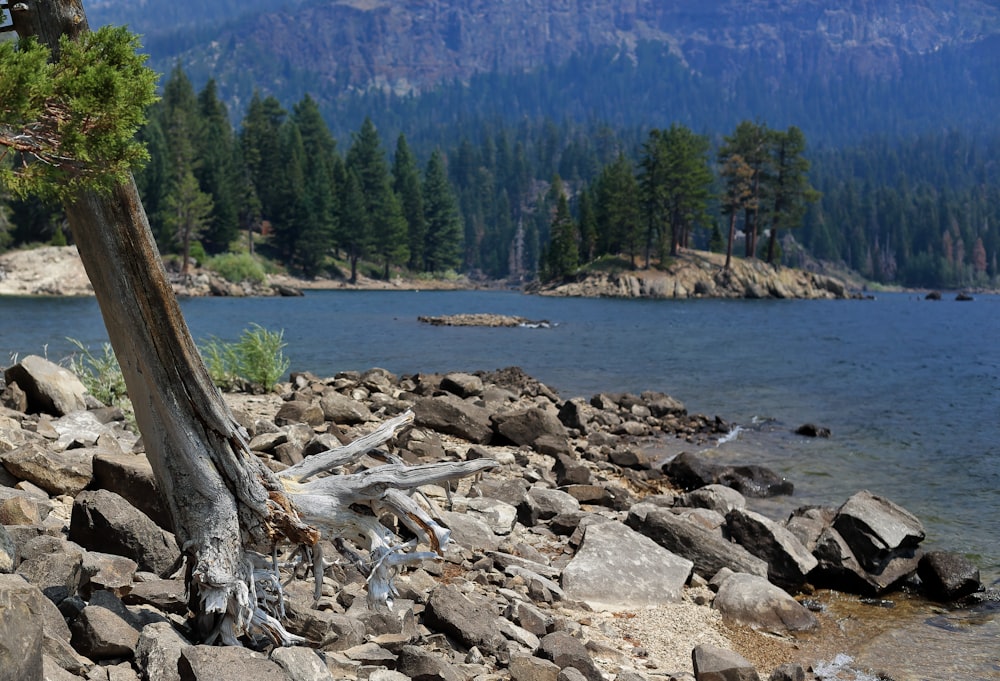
[576,413]
[227,663]
[23,510]
[812,430]
[472,621]
[500,516]
[470,532]
[330,630]
[299,411]
[788,561]
[104,521]
[531,668]
[422,665]
[712,663]
[131,477]
[754,601]
[302,664]
[57,473]
[158,651]
[569,471]
[8,552]
[105,629]
[54,565]
[527,426]
[616,567]
[49,387]
[463,385]
[166,595]
[709,551]
[344,410]
[21,633]
[566,651]
[690,472]
[548,503]
[454,416]
[791,671]
[108,572]
[878,531]
[947,576]
[715,497]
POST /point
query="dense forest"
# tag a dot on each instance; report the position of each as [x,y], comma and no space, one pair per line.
[544,198]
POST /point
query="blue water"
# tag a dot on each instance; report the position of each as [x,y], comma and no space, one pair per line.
[910,389]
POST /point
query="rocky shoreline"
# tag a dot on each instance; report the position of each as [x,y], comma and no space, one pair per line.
[578,557]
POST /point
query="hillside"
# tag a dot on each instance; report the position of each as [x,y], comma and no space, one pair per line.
[770,59]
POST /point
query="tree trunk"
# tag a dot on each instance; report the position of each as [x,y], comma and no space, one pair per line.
[732,236]
[226,506]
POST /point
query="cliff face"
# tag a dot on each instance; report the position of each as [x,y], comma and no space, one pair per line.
[411,45]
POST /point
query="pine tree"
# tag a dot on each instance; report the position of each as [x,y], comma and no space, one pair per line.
[791,192]
[187,211]
[319,165]
[406,183]
[260,147]
[617,209]
[355,228]
[290,213]
[442,246]
[752,143]
[217,173]
[563,256]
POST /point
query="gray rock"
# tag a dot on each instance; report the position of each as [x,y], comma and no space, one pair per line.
[499,515]
[454,416]
[22,508]
[104,521]
[21,632]
[166,595]
[331,630]
[108,572]
[81,429]
[877,530]
[299,411]
[422,665]
[472,621]
[526,426]
[549,503]
[712,663]
[342,409]
[706,549]
[947,576]
[530,617]
[105,629]
[158,650]
[57,473]
[570,471]
[616,567]
[530,668]
[131,477]
[463,385]
[302,664]
[787,559]
[754,601]
[227,663]
[470,532]
[576,413]
[54,565]
[49,387]
[8,552]
[792,671]
[714,497]
[566,651]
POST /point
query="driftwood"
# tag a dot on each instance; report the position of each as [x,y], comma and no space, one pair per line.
[229,511]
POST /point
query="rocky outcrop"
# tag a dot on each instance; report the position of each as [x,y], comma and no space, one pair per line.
[698,274]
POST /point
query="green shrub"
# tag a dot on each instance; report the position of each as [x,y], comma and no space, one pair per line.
[101,375]
[257,358]
[237,267]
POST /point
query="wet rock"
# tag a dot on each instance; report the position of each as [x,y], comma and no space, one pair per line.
[227,663]
[104,521]
[451,415]
[616,567]
[708,550]
[789,562]
[49,388]
[878,531]
[67,472]
[470,620]
[812,430]
[712,663]
[947,576]
[754,601]
[689,471]
[566,651]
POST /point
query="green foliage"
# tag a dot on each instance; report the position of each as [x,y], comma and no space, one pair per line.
[101,375]
[73,121]
[237,267]
[257,358]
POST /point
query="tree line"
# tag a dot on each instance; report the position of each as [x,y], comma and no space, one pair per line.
[921,212]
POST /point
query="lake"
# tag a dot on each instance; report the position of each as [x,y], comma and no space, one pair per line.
[909,388]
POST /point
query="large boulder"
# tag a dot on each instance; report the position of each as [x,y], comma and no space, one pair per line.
[526,426]
[788,561]
[104,521]
[21,634]
[472,621]
[712,663]
[567,651]
[707,549]
[54,565]
[131,477]
[616,567]
[342,409]
[754,601]
[883,536]
[452,415]
[67,472]
[227,663]
[49,387]
[689,471]
[947,576]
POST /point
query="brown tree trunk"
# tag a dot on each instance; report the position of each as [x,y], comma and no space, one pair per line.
[732,236]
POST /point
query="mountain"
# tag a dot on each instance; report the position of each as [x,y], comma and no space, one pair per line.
[913,64]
